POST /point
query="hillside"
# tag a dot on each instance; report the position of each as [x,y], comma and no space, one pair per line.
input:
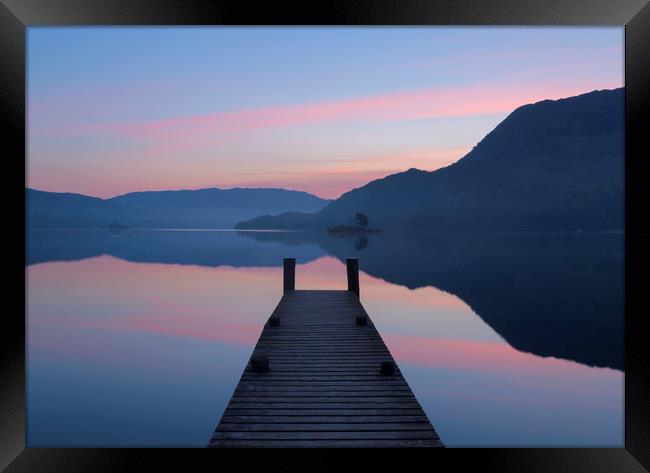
[552,165]
[203,208]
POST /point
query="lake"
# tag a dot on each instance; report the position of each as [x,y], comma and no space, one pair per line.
[139,337]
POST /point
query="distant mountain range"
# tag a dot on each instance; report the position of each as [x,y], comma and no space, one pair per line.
[552,165]
[203,208]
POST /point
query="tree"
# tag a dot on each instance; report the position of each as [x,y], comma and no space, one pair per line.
[361,219]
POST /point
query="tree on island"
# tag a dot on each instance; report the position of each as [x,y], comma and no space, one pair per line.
[361,219]
[361,226]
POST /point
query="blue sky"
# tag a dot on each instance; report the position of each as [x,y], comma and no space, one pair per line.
[115,109]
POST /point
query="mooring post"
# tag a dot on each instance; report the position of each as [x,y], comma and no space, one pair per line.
[353,275]
[289,274]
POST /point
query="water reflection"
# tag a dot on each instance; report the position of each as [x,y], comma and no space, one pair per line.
[126,351]
[199,247]
[550,294]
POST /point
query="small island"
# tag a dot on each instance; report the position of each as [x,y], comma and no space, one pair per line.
[361,226]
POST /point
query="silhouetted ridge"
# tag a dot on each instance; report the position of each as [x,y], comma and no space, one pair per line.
[203,208]
[552,165]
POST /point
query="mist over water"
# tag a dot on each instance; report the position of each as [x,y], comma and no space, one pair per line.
[138,338]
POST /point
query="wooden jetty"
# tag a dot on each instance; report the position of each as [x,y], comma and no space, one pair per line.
[321,376]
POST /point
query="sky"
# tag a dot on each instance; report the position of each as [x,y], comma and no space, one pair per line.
[112,110]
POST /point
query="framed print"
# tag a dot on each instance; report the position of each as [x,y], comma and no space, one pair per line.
[395,227]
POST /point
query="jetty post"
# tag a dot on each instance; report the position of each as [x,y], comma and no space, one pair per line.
[289,274]
[353,275]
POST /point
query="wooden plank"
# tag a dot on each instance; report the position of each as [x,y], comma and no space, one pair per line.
[332,343]
[324,387]
[311,362]
[324,427]
[324,357]
[347,443]
[322,405]
[333,348]
[329,435]
[321,391]
[327,378]
[341,383]
[372,367]
[323,412]
[311,399]
[327,371]
[360,419]
[313,396]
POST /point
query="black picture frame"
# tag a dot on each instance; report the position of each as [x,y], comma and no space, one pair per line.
[634,15]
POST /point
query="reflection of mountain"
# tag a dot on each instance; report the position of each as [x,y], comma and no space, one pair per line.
[555,164]
[552,295]
[204,248]
[549,294]
[203,208]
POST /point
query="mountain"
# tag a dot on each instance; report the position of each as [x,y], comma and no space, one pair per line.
[551,165]
[203,208]
[65,210]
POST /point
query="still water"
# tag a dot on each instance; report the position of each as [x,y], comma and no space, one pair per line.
[138,338]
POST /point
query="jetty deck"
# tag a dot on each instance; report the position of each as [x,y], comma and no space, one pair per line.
[321,376]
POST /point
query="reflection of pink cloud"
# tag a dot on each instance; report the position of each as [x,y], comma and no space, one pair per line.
[230,332]
[479,356]
[186,301]
[326,272]
[88,310]
[428,297]
[180,326]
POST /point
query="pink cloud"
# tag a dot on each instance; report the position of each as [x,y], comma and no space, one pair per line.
[328,178]
[155,147]
[427,103]
[324,183]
